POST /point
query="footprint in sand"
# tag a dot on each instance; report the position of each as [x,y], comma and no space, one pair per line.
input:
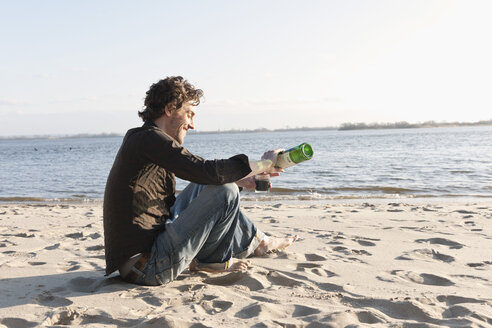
[87,285]
[189,287]
[267,311]
[315,268]
[302,266]
[95,248]
[471,277]
[465,212]
[423,278]
[277,278]
[335,242]
[285,255]
[365,242]
[315,257]
[47,299]
[441,241]
[65,316]
[303,311]
[216,306]
[269,219]
[254,311]
[406,309]
[479,265]
[151,299]
[360,252]
[347,251]
[20,235]
[339,237]
[52,247]
[368,317]
[75,235]
[456,311]
[17,323]
[323,272]
[70,266]
[453,300]
[77,316]
[253,281]
[95,235]
[425,254]
[329,287]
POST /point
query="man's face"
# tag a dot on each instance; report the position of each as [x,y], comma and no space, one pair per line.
[180,121]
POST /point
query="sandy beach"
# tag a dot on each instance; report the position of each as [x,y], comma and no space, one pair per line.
[366,264]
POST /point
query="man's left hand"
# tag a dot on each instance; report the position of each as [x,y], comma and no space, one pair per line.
[247,183]
[250,184]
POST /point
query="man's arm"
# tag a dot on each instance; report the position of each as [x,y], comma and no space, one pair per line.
[162,150]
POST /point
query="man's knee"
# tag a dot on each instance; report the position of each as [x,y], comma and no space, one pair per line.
[230,191]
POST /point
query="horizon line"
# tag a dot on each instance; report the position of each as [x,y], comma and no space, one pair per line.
[341,127]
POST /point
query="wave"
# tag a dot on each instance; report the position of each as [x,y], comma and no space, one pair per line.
[383,189]
[342,190]
[325,197]
[22,199]
[278,194]
[266,197]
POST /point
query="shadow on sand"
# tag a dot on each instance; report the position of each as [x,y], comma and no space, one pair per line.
[54,290]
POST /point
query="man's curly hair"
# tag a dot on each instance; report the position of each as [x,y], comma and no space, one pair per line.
[173,91]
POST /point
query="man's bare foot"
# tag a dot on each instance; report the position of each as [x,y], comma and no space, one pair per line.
[273,244]
[234,265]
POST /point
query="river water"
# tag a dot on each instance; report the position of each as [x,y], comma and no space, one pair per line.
[357,164]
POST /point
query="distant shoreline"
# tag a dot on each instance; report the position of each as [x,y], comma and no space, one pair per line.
[342,127]
[406,125]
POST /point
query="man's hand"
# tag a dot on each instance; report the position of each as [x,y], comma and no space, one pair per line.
[272,155]
[250,184]
[247,183]
[266,164]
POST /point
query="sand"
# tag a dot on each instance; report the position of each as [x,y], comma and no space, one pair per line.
[366,264]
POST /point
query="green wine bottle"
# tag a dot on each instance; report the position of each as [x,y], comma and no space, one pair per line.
[294,156]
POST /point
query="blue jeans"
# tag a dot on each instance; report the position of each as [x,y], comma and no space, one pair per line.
[206,226]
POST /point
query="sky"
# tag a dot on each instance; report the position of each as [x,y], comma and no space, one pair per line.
[71,67]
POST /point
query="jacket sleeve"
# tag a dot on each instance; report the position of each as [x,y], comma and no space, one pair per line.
[164,151]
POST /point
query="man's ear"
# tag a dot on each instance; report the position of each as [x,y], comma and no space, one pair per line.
[167,110]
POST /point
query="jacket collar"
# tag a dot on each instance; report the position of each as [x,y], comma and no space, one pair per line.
[148,124]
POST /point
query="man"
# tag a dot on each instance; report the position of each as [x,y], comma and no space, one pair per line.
[150,235]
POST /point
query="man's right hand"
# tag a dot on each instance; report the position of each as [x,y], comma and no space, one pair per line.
[266,164]
[272,156]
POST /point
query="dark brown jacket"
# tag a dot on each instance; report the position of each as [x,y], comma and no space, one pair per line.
[141,185]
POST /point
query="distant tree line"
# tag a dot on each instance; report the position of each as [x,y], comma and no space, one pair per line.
[406,125]
[342,127]
[262,130]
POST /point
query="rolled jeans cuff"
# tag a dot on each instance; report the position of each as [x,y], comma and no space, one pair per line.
[252,246]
